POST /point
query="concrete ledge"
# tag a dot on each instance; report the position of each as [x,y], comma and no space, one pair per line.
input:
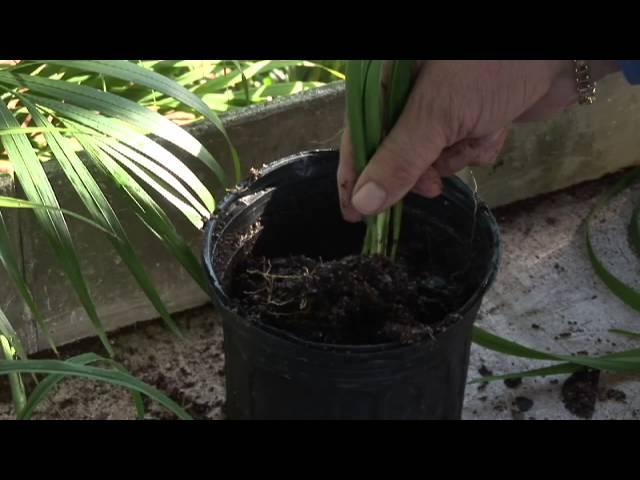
[11,302]
[583,144]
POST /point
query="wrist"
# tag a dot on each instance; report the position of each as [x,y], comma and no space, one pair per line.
[584,75]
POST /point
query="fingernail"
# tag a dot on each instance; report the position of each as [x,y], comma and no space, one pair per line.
[369,198]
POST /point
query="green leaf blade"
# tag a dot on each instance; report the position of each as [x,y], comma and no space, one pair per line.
[38,189]
[113,377]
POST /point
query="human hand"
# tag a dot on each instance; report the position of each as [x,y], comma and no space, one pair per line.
[457,115]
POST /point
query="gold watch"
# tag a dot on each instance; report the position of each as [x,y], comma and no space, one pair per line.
[585,84]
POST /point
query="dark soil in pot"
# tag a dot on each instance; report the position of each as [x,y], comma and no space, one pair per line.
[354,300]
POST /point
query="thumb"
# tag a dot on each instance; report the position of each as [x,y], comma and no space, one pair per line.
[402,158]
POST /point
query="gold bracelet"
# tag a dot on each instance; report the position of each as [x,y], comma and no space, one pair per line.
[586,86]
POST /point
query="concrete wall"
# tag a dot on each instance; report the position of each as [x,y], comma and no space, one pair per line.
[582,144]
[10,301]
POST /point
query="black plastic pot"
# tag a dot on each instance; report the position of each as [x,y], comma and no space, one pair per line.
[271,374]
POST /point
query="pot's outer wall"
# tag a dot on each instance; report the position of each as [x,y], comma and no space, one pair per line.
[268,377]
[272,375]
